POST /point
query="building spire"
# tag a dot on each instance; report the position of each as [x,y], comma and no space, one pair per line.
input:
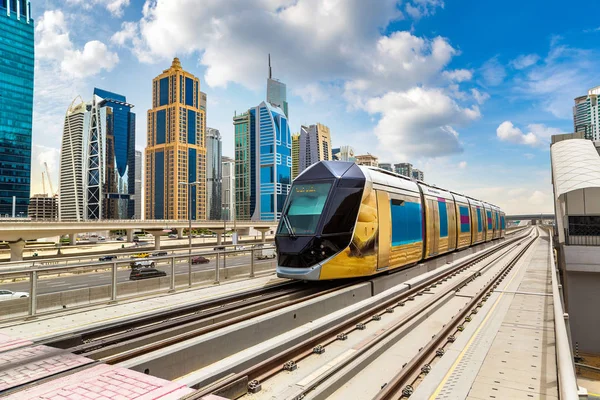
[270,74]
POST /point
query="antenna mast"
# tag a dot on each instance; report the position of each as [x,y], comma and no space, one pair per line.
[270,74]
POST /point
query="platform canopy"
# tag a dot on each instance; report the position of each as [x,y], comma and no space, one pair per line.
[575,165]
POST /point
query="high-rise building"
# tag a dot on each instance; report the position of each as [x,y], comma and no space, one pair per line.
[228,188]
[418,174]
[386,166]
[176,152]
[276,92]
[368,160]
[137,197]
[586,115]
[72,161]
[343,153]
[244,164]
[43,207]
[405,169]
[315,145]
[16,104]
[213,174]
[295,155]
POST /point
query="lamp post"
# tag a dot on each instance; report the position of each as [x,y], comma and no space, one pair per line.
[189,212]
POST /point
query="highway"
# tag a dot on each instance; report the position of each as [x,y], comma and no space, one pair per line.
[67,281]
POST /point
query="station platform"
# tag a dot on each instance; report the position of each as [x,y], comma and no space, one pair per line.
[508,350]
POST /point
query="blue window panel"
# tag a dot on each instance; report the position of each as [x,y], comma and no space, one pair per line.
[161,126]
[192,177]
[191,126]
[479,220]
[443,218]
[407,222]
[266,174]
[164,92]
[189,92]
[159,185]
[502,222]
[267,203]
[465,221]
[489,219]
[497,221]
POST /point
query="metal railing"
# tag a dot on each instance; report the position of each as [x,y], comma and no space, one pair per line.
[34,274]
[582,234]
[567,379]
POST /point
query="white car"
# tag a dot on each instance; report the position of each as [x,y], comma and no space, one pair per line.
[9,295]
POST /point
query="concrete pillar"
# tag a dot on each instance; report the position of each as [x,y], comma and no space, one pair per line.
[156,240]
[179,233]
[72,239]
[263,233]
[16,250]
[130,235]
[219,233]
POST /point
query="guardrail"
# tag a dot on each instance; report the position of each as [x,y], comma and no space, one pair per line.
[33,274]
[567,379]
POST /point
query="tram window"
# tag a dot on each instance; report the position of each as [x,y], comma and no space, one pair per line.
[305,207]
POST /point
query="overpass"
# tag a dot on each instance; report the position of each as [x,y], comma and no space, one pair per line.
[521,217]
[16,231]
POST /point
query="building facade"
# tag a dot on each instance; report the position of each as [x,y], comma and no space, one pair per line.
[244,164]
[386,166]
[137,197]
[314,146]
[343,153]
[295,155]
[418,174]
[405,169]
[276,92]
[43,207]
[176,151]
[214,154]
[586,115]
[16,105]
[368,160]
[228,188]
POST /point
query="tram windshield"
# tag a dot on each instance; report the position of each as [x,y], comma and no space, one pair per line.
[304,208]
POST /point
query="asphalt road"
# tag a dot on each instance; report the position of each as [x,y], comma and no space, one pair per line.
[68,282]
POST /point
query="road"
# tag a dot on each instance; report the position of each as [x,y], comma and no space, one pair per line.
[68,282]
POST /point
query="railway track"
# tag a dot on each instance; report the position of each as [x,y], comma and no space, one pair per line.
[438,289]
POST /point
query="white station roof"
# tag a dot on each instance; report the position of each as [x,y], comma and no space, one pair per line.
[575,165]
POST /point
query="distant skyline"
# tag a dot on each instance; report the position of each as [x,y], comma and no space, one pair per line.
[469,91]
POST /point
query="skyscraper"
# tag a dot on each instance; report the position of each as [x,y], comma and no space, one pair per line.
[228,188]
[586,115]
[213,174]
[244,164]
[71,201]
[343,153]
[137,197]
[16,104]
[405,169]
[315,145]
[295,155]
[386,166]
[418,174]
[276,92]
[176,151]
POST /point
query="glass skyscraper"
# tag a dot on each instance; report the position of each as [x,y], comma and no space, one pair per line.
[277,92]
[16,104]
[243,161]
[213,174]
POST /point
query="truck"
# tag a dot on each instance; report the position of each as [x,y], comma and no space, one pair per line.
[264,253]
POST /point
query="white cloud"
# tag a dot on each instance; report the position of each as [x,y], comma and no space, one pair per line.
[115,7]
[127,33]
[418,122]
[493,72]
[39,155]
[480,97]
[524,61]
[462,165]
[459,75]
[529,156]
[94,58]
[312,93]
[538,135]
[422,8]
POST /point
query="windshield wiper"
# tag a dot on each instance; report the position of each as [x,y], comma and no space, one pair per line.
[288,226]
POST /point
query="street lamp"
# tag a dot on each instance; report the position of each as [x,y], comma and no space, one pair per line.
[189,212]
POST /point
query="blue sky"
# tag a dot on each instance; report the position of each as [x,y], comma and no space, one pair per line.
[467,91]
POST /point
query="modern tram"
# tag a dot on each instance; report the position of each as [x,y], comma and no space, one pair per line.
[342,220]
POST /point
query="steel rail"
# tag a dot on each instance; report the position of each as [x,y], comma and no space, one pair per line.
[399,386]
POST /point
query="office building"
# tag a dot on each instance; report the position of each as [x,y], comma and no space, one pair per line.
[405,169]
[343,153]
[213,174]
[72,161]
[586,115]
[244,165]
[137,197]
[314,146]
[368,160]
[276,92]
[418,174]
[16,105]
[43,207]
[175,152]
[295,155]
[228,188]
[386,166]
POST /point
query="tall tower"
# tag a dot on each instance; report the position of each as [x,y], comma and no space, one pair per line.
[314,145]
[244,165]
[276,92]
[213,174]
[16,104]
[295,155]
[176,150]
[586,115]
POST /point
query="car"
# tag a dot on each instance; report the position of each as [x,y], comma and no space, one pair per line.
[136,239]
[219,248]
[200,260]
[10,295]
[142,263]
[159,254]
[172,236]
[121,239]
[145,273]
[140,255]
[101,238]
[107,258]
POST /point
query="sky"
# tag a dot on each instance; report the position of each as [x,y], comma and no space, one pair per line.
[468,91]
